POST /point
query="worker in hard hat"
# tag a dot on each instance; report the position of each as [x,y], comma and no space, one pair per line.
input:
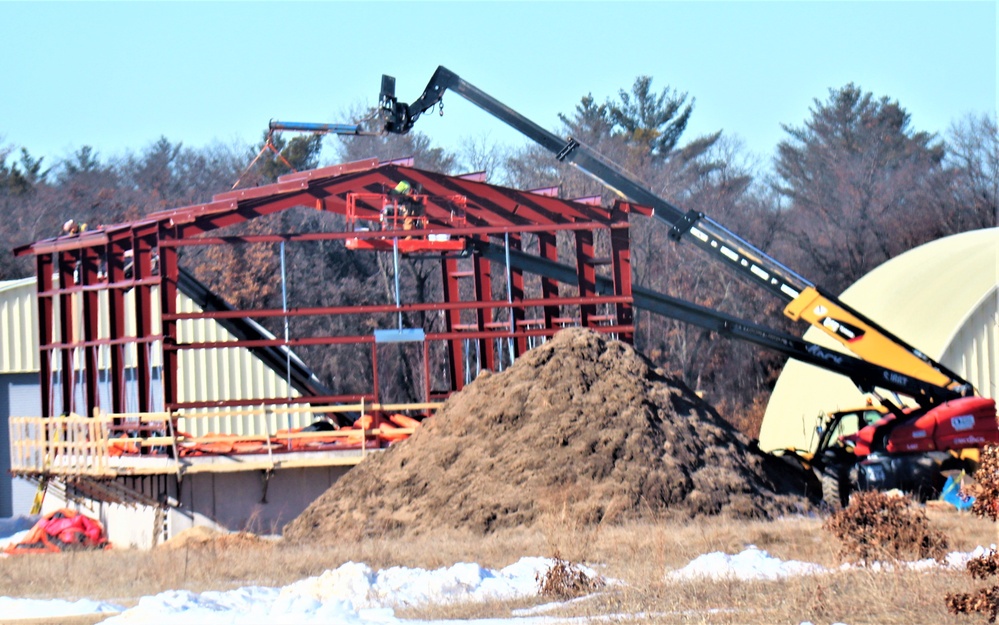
[71,226]
[412,205]
[393,208]
[403,203]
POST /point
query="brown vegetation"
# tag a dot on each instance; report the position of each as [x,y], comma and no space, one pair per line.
[880,527]
[565,580]
[206,538]
[986,506]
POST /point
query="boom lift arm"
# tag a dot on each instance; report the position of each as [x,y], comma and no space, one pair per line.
[865,375]
[319,129]
[803,300]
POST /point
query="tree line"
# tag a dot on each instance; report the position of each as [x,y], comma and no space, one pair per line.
[850,187]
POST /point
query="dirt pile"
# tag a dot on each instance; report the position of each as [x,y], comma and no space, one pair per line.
[206,537]
[583,427]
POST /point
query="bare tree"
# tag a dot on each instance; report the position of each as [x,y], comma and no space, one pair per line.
[973,153]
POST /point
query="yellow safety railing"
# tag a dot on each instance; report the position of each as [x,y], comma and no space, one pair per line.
[68,445]
[77,445]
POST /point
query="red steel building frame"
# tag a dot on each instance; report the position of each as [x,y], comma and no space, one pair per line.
[143,255]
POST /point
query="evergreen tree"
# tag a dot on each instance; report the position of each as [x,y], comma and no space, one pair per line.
[21,178]
[300,153]
[861,185]
[654,121]
[83,161]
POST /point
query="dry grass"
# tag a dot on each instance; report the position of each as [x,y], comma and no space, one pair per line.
[637,554]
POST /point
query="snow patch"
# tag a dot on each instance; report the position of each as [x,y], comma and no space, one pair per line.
[351,594]
[12,609]
[751,564]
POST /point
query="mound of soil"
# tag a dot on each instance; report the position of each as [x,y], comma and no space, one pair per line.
[582,426]
[204,537]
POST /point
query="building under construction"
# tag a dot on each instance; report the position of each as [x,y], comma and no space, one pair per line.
[132,411]
[155,395]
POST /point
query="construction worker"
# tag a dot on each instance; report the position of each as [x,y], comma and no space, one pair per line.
[393,208]
[71,227]
[412,207]
[403,188]
[406,206]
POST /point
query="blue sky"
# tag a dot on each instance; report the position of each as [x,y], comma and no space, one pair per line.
[117,75]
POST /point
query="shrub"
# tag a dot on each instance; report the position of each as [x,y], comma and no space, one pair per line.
[984,600]
[881,527]
[564,580]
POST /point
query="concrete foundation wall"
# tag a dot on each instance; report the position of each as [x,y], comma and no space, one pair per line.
[233,501]
[248,501]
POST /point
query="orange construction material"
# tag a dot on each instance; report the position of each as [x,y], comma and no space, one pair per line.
[122,446]
[390,433]
[61,530]
[404,421]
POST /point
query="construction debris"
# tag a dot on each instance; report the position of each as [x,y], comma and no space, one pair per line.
[200,536]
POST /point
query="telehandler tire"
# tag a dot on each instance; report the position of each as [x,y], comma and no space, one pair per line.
[835,486]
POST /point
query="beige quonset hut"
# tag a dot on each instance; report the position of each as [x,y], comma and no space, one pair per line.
[940,297]
[142,505]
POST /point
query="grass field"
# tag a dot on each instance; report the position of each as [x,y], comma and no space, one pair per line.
[639,555]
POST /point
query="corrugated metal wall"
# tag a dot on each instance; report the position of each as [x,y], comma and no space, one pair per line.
[18,327]
[974,349]
[204,375]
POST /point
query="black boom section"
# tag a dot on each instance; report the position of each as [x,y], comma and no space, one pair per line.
[865,375]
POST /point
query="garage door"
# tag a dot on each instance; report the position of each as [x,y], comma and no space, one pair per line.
[19,397]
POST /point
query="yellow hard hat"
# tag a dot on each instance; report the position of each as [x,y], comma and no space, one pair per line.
[402,187]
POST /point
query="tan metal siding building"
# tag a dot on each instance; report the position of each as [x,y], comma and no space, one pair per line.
[203,375]
[18,327]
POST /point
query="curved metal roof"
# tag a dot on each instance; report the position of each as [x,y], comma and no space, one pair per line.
[940,297]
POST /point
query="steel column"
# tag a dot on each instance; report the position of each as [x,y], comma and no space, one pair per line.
[142,267]
[67,267]
[89,264]
[548,249]
[452,319]
[587,276]
[116,322]
[517,292]
[44,269]
[621,270]
[484,317]
[374,373]
[168,307]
